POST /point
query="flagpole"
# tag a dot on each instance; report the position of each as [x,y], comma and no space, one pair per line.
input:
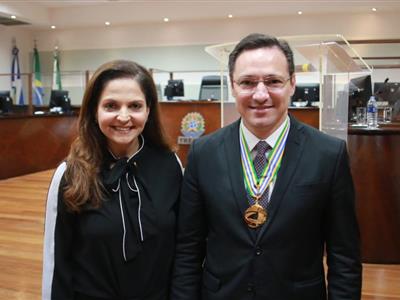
[16,80]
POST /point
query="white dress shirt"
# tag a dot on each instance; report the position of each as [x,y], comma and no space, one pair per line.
[271,140]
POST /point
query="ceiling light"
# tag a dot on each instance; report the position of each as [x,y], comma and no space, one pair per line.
[53,27]
[374,9]
[299,12]
[230,16]
[107,23]
[13,17]
[166,20]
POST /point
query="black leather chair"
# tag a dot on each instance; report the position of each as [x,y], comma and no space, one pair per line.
[210,88]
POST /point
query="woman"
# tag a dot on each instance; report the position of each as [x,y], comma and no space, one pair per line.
[111,208]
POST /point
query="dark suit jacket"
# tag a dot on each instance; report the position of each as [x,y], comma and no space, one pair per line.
[312,205]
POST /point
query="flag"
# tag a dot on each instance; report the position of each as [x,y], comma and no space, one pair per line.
[56,71]
[37,85]
[16,83]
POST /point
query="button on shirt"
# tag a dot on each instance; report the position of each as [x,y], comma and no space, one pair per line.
[252,141]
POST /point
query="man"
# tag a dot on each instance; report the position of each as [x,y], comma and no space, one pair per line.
[251,232]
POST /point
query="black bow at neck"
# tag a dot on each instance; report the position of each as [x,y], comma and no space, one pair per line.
[119,169]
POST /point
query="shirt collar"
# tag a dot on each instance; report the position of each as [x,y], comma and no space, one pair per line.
[252,140]
[141,145]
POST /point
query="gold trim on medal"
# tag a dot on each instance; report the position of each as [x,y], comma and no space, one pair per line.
[255,216]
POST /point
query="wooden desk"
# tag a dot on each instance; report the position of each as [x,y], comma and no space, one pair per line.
[375,163]
[34,143]
[172,113]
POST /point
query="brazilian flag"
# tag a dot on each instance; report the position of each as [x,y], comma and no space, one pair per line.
[37,79]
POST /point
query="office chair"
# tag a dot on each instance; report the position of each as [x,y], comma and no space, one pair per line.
[210,88]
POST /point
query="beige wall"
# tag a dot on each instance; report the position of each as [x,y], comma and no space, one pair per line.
[122,39]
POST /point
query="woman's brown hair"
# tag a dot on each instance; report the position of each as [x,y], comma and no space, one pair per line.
[87,153]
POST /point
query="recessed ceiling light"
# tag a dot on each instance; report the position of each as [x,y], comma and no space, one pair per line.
[53,27]
[13,17]
[230,16]
[299,12]
[107,23]
[166,20]
[374,9]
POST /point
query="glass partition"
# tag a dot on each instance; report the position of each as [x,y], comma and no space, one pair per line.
[197,85]
[72,82]
[383,57]
[325,66]
[10,97]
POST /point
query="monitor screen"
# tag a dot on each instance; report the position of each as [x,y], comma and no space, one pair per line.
[306,92]
[360,90]
[387,91]
[174,88]
[59,98]
[5,102]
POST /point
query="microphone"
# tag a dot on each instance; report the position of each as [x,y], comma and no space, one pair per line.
[382,88]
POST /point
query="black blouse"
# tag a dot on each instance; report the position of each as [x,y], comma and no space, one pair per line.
[124,249]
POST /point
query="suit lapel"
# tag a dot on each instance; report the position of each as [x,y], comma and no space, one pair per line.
[290,160]
[234,165]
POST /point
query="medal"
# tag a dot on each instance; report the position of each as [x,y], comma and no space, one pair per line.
[256,215]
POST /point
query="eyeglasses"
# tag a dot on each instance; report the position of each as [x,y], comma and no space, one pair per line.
[272,84]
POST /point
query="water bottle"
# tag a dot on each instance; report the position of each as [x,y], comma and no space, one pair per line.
[372,113]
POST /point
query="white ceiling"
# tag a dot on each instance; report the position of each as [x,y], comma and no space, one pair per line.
[73,13]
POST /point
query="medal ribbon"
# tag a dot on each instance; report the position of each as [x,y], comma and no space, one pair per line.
[255,185]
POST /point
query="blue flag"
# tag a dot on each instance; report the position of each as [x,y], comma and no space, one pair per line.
[16,82]
[37,79]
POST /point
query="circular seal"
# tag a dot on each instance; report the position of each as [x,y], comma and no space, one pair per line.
[193,125]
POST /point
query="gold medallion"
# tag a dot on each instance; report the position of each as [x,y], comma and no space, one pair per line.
[255,216]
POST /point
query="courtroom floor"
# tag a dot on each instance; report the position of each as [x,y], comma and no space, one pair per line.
[22,206]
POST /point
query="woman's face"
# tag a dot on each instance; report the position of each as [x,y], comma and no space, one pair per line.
[122,113]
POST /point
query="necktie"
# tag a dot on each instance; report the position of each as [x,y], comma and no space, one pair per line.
[260,161]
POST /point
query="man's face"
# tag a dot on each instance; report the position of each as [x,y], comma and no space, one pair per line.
[262,108]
